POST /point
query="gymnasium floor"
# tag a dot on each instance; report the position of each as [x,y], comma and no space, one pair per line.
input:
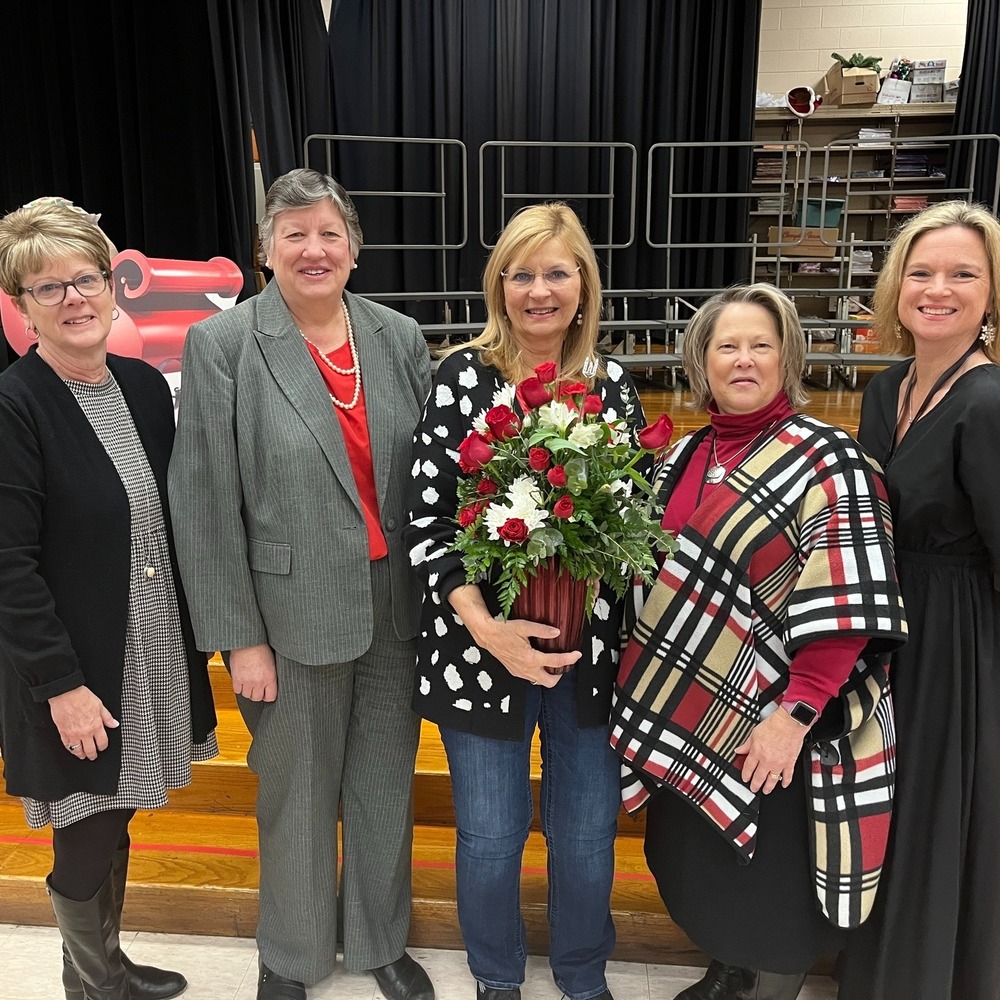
[226,969]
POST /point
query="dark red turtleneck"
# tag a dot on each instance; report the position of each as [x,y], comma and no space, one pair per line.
[818,670]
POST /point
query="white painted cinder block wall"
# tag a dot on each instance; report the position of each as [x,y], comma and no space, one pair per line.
[797,36]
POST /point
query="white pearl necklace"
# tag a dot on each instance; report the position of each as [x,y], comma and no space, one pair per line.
[355,368]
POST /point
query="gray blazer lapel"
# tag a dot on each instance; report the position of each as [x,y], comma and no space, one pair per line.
[374,345]
[295,374]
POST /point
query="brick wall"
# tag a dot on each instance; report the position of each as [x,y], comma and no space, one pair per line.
[797,36]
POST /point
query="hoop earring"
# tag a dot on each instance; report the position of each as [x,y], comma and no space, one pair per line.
[988,333]
[115,314]
[30,332]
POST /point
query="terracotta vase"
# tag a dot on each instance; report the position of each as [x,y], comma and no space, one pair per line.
[553,597]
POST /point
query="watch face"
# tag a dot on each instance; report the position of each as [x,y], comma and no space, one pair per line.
[801,712]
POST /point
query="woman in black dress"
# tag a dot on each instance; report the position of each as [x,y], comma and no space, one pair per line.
[934,422]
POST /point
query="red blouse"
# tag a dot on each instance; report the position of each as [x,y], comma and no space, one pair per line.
[818,669]
[354,426]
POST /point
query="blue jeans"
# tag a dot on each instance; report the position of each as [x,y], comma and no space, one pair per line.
[580,798]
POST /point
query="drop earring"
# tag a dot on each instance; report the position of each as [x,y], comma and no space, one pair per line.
[897,332]
[988,333]
[579,318]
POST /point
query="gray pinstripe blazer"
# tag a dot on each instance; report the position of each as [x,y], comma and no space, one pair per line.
[270,534]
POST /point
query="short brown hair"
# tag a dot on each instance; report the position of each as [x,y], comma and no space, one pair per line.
[40,233]
[786,321]
[302,188]
[894,338]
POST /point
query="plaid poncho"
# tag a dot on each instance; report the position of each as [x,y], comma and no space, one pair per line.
[794,546]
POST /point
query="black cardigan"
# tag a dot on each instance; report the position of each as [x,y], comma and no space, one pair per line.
[65,540]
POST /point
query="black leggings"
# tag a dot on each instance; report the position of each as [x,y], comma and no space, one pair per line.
[83,852]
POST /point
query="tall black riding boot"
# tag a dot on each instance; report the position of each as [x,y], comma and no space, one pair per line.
[722,982]
[146,982]
[89,931]
[774,986]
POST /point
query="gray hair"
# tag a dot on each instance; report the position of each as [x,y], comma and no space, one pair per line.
[302,188]
[786,321]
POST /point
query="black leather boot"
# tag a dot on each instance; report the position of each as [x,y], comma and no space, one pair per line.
[722,982]
[89,931]
[774,986]
[146,982]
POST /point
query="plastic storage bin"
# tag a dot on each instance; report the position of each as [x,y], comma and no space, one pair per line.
[819,213]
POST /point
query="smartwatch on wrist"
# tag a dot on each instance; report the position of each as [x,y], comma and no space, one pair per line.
[804,714]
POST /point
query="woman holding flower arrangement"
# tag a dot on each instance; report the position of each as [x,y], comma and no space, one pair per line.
[752,707]
[526,452]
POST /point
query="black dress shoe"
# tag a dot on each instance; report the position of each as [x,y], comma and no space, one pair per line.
[271,986]
[722,982]
[489,993]
[403,979]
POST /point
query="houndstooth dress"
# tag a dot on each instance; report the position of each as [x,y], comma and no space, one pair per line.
[156,709]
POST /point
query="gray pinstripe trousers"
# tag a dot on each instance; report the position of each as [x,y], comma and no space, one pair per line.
[338,734]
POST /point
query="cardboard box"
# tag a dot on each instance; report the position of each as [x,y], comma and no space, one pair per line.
[929,70]
[812,242]
[849,86]
[894,92]
[951,91]
[927,93]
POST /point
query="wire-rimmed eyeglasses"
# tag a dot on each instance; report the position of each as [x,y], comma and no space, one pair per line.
[53,293]
[523,278]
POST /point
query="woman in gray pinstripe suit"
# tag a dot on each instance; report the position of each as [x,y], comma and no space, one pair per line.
[292,457]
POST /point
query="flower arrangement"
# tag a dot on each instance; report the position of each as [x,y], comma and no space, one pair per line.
[560,483]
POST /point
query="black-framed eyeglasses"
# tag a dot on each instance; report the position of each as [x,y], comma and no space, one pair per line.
[52,293]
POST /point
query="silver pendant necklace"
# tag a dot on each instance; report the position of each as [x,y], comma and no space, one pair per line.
[717,471]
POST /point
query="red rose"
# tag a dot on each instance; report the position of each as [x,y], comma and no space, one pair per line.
[486,487]
[573,389]
[546,372]
[655,436]
[557,475]
[467,515]
[538,459]
[503,422]
[474,452]
[563,506]
[513,530]
[592,404]
[533,393]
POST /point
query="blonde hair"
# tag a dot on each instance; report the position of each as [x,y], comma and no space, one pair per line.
[34,236]
[524,235]
[699,332]
[894,338]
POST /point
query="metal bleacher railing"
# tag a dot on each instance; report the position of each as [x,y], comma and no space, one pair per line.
[508,176]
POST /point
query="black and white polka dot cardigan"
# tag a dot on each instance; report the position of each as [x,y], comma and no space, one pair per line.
[459,685]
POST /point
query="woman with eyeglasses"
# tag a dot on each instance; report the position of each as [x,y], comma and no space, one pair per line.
[479,678]
[104,699]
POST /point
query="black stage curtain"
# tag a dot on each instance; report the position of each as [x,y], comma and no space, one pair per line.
[978,110]
[137,111]
[289,79]
[636,71]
